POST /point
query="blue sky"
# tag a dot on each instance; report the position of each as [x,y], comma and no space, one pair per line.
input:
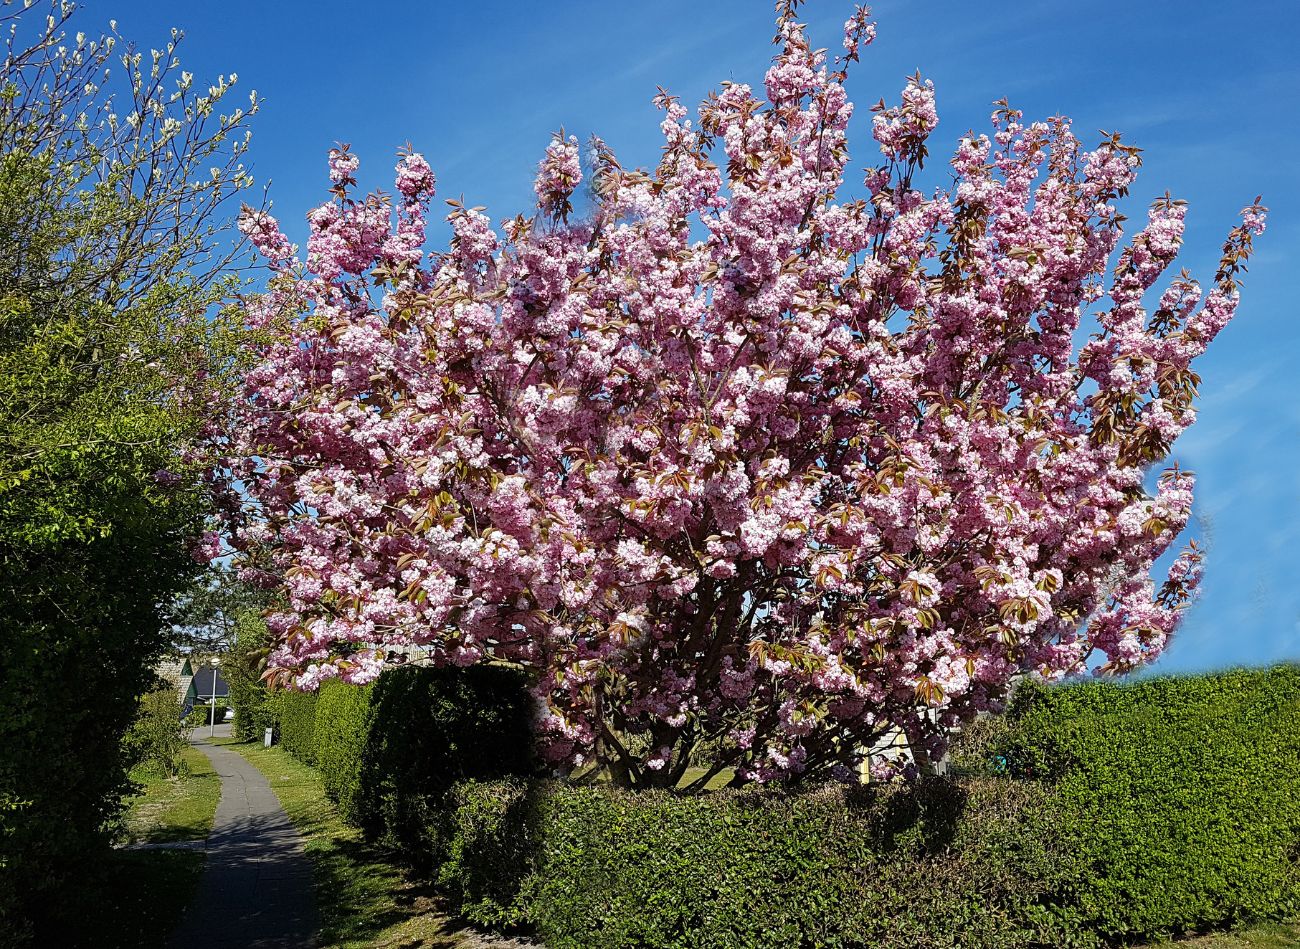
[1210,91]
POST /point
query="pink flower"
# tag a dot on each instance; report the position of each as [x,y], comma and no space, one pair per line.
[903,129]
[208,548]
[265,234]
[744,456]
[558,175]
[343,166]
[415,179]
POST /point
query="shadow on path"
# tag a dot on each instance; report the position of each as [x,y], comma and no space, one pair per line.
[256,888]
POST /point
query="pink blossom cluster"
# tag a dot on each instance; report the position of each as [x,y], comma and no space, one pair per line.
[730,460]
[558,176]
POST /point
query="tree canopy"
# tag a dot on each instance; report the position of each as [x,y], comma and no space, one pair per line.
[116,174]
[737,458]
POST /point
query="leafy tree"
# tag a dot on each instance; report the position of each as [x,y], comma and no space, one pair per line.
[732,458]
[207,615]
[115,175]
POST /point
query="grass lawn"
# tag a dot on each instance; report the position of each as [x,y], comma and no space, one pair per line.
[173,809]
[715,783]
[364,898]
[1269,936]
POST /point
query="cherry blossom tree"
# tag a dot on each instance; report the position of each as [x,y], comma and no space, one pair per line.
[730,460]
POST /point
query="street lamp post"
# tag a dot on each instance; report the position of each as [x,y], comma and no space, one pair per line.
[212,722]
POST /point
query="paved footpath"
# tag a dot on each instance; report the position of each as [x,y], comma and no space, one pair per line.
[256,890]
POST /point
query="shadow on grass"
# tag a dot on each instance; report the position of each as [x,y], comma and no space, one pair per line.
[1264,936]
[127,900]
[376,902]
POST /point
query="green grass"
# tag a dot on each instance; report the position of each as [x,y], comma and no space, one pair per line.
[364,898]
[715,783]
[1268,936]
[173,809]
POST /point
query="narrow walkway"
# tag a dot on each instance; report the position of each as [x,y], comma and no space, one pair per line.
[256,887]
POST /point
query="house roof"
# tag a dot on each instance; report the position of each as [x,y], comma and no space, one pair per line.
[176,671]
[203,683]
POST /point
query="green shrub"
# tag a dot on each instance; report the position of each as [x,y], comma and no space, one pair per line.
[1118,813]
[1179,797]
[158,736]
[487,836]
[390,752]
[935,864]
[429,729]
[254,710]
[296,714]
[64,765]
[341,731]
[1122,813]
[201,715]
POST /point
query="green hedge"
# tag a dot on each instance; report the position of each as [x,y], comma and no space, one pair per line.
[254,707]
[390,752]
[1129,813]
[1090,814]
[342,729]
[63,761]
[1179,797]
[933,864]
[430,729]
[295,714]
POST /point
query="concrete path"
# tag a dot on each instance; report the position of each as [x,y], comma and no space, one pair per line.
[256,889]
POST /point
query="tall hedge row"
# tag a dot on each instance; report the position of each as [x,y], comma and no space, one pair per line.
[341,728]
[295,714]
[389,752]
[431,729]
[1179,797]
[1123,813]
[932,864]
[1090,814]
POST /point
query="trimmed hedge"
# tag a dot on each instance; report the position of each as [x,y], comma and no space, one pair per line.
[295,712]
[432,728]
[390,752]
[1179,798]
[1126,813]
[932,864]
[342,727]
[1090,814]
